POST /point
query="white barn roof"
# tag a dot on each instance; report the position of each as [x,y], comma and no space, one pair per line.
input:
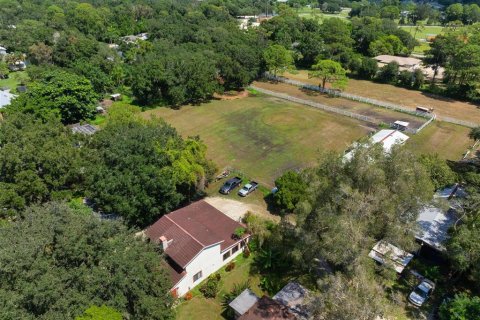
[5,98]
[389,138]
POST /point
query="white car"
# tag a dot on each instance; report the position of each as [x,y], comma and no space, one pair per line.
[421,293]
[248,188]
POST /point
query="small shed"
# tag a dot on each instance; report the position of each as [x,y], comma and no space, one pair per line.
[243,302]
[3,51]
[401,125]
[390,255]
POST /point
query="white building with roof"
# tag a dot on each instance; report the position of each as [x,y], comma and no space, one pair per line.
[3,51]
[435,219]
[388,139]
[5,98]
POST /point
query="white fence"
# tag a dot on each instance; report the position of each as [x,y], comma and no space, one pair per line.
[317,105]
[373,102]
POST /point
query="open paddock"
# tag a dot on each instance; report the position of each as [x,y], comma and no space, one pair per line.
[382,115]
[443,106]
[263,136]
[448,140]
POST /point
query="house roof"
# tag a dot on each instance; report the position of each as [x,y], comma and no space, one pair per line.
[433,222]
[402,61]
[267,308]
[191,229]
[386,253]
[295,297]
[244,301]
[5,98]
[389,138]
[84,128]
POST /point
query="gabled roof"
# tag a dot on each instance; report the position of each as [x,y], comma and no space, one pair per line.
[84,128]
[296,298]
[191,229]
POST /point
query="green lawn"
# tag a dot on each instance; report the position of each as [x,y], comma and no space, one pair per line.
[421,36]
[263,136]
[448,140]
[13,80]
[201,308]
[311,13]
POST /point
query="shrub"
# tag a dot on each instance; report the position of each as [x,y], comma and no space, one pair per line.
[239,232]
[209,289]
[230,266]
[246,252]
[188,296]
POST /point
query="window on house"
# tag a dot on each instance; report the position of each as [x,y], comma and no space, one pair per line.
[226,255]
[242,244]
[197,276]
[234,249]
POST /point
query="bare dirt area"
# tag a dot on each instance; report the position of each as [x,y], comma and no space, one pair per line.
[381,114]
[231,95]
[236,210]
[444,107]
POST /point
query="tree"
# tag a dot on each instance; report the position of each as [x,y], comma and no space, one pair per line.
[329,71]
[368,68]
[454,12]
[71,261]
[100,313]
[462,307]
[278,59]
[350,205]
[474,134]
[40,53]
[143,169]
[4,71]
[58,94]
[463,246]
[388,73]
[38,162]
[440,173]
[291,190]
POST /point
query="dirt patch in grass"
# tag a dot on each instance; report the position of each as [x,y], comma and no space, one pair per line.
[261,136]
[444,107]
[231,95]
[381,114]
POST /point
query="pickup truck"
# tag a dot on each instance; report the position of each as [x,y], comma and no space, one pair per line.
[248,188]
[230,185]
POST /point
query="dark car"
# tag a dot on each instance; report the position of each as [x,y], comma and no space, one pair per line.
[230,185]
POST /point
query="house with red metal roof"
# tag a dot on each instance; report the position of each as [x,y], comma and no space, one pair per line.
[197,241]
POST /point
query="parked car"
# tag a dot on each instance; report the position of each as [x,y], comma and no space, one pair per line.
[248,188]
[230,185]
[421,292]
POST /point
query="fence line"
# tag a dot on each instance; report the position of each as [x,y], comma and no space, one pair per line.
[317,105]
[349,96]
[374,102]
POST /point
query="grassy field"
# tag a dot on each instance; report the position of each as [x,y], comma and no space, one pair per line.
[405,97]
[200,308]
[315,13]
[13,80]
[448,140]
[421,36]
[263,136]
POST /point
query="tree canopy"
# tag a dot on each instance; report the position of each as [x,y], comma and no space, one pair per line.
[143,169]
[329,71]
[61,262]
[59,94]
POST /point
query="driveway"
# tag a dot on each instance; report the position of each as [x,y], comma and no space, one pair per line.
[236,210]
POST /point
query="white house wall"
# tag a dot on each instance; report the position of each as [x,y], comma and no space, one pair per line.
[208,261]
